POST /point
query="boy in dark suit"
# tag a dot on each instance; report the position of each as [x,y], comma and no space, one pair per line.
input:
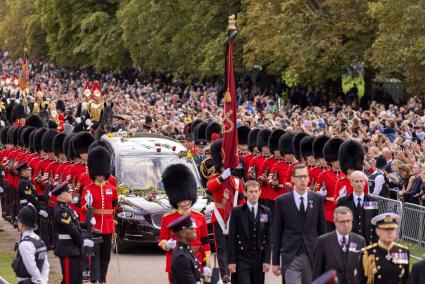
[298,221]
[339,250]
[250,233]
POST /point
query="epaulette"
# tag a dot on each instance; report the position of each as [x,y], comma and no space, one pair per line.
[169,213]
[370,246]
[401,246]
[197,212]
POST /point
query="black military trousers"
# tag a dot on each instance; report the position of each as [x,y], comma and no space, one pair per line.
[249,269]
[44,228]
[71,270]
[221,249]
[101,258]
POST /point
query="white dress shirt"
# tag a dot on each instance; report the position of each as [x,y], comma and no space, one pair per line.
[340,238]
[297,197]
[356,199]
[255,208]
[27,251]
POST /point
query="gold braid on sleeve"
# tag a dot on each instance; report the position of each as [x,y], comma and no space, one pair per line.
[369,267]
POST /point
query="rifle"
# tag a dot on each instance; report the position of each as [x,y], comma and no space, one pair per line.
[89,203]
[263,177]
[275,178]
[252,173]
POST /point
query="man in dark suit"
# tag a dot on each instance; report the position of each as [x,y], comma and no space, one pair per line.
[249,243]
[417,276]
[298,221]
[363,206]
[340,249]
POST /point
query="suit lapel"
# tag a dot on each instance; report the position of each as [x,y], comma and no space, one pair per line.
[245,219]
[339,250]
[310,205]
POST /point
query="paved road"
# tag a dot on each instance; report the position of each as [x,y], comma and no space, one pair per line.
[145,265]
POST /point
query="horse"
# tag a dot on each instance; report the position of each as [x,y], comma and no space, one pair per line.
[105,121]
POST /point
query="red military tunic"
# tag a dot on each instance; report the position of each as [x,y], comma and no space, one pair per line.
[325,186]
[247,158]
[49,177]
[74,173]
[255,166]
[215,186]
[200,245]
[105,201]
[281,169]
[266,167]
[34,165]
[343,187]
[39,174]
[314,174]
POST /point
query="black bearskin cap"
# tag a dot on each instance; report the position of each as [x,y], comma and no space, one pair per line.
[263,138]
[243,133]
[58,143]
[20,138]
[179,184]
[306,146]
[318,144]
[15,135]
[99,163]
[67,147]
[351,156]
[60,105]
[252,139]
[81,143]
[3,135]
[34,121]
[193,127]
[199,132]
[47,140]
[274,139]
[213,127]
[26,135]
[215,150]
[296,144]
[285,144]
[38,136]
[331,148]
[101,143]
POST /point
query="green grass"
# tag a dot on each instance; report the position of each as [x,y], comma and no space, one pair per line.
[416,252]
[5,266]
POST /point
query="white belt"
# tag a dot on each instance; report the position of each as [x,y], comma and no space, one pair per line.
[330,198]
[23,201]
[64,237]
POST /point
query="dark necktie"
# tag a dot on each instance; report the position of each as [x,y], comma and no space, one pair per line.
[302,208]
[253,213]
[343,243]
[359,203]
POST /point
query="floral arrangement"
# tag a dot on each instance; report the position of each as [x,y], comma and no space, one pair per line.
[149,193]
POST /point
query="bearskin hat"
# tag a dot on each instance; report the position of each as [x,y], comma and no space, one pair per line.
[351,155]
[215,150]
[19,133]
[199,132]
[67,147]
[10,135]
[31,138]
[318,144]
[306,146]
[81,142]
[101,143]
[252,139]
[274,139]
[331,148]
[34,121]
[285,143]
[38,136]
[179,184]
[212,128]
[263,138]
[60,105]
[243,132]
[193,127]
[3,135]
[99,163]
[15,135]
[296,144]
[19,111]
[47,140]
[26,136]
[58,143]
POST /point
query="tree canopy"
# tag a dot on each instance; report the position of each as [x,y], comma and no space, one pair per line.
[315,41]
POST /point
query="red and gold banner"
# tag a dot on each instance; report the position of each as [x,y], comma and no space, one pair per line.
[24,75]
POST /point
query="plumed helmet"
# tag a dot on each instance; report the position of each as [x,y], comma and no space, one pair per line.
[318,144]
[331,148]
[47,140]
[212,128]
[179,184]
[306,146]
[351,156]
[99,163]
[252,139]
[81,142]
[215,150]
[243,132]
[34,121]
[274,139]
[296,144]
[58,143]
[285,143]
[3,135]
[263,138]
[38,136]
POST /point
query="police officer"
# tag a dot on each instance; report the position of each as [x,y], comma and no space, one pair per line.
[185,266]
[70,237]
[31,264]
[385,261]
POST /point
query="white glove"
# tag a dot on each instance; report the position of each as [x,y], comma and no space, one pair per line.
[88,243]
[1,189]
[170,244]
[93,221]
[43,213]
[88,122]
[322,191]
[74,200]
[78,120]
[207,271]
[226,174]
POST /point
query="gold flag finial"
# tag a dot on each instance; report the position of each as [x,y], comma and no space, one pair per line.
[232,22]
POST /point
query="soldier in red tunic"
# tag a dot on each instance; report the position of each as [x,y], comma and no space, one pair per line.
[321,165]
[180,187]
[351,156]
[105,202]
[280,175]
[256,162]
[245,155]
[7,148]
[306,151]
[253,149]
[221,198]
[326,181]
[267,194]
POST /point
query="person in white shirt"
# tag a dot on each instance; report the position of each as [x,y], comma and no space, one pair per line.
[31,264]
